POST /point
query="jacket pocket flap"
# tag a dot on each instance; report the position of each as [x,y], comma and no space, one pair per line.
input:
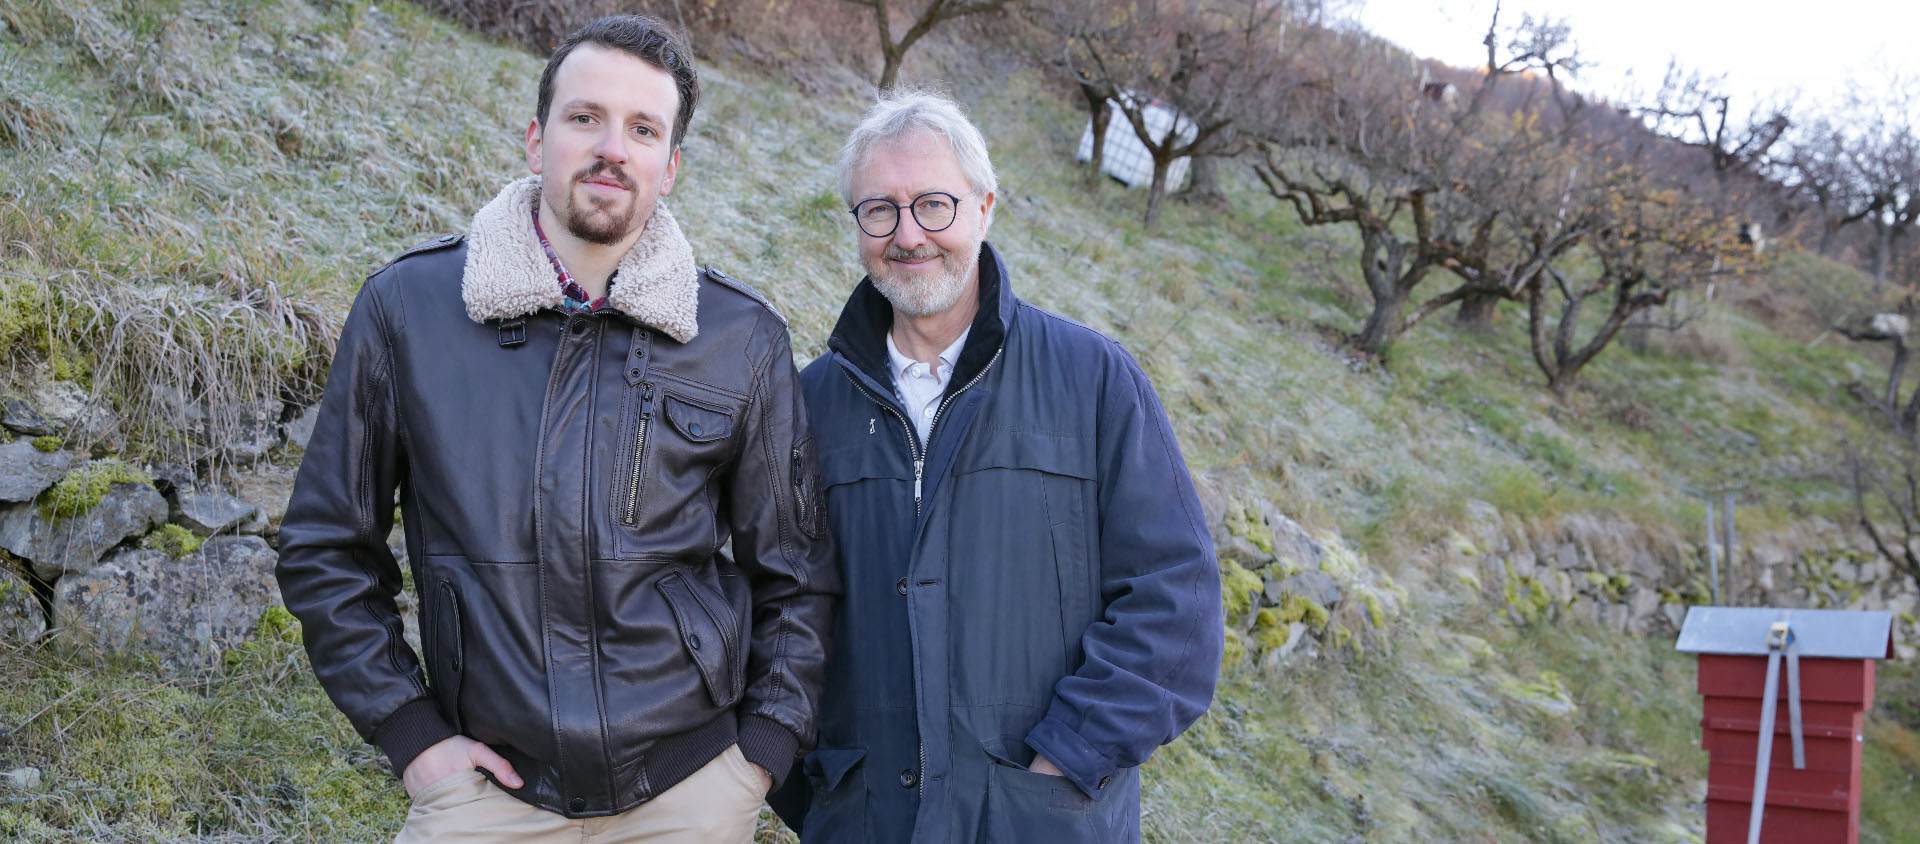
[700,634]
[848,464]
[698,422]
[832,764]
[1042,451]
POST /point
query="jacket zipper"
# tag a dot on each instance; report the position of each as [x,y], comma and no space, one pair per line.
[639,453]
[919,467]
[799,490]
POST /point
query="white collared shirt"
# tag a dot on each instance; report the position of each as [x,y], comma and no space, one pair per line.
[919,386]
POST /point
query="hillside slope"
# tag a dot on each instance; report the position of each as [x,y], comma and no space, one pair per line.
[215,151]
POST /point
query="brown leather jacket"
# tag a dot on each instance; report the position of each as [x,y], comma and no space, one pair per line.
[567,483]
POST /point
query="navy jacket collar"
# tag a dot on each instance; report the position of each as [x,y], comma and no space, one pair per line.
[860,334]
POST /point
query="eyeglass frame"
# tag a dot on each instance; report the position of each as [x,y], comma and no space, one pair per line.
[855,211]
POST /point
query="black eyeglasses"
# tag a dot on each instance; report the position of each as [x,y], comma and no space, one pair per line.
[933,211]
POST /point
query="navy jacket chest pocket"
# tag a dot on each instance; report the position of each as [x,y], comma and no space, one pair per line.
[1067,455]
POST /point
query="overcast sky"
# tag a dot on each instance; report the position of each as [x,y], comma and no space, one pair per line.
[1803,51]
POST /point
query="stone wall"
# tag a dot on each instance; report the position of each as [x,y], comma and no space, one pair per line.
[120,557]
[1620,574]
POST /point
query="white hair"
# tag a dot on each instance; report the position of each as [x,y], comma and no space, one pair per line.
[899,113]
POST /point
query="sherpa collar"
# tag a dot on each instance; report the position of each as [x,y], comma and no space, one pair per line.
[507,275]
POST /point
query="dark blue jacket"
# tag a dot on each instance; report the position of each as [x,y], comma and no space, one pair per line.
[1038,577]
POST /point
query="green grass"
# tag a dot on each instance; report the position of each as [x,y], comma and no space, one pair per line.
[203,183]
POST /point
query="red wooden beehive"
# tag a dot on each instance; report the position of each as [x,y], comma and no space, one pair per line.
[1820,803]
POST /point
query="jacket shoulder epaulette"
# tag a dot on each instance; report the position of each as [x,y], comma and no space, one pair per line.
[431,244]
[744,290]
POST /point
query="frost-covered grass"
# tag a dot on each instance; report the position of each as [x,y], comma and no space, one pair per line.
[208,180]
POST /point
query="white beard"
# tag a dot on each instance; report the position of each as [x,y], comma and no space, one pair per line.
[928,296]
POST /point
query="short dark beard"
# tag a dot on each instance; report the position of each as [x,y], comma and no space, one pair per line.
[594,226]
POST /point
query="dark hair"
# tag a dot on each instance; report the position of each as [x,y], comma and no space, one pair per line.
[647,40]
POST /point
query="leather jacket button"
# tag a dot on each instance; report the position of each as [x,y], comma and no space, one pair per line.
[693,428]
[580,327]
[693,641]
[577,804]
[902,586]
[907,778]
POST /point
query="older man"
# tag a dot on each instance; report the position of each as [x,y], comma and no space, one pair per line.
[577,418]
[1032,604]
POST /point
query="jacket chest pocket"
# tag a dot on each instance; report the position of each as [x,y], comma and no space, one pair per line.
[673,445]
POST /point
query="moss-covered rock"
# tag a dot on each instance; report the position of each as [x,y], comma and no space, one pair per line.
[1297,607]
[48,444]
[1272,638]
[175,540]
[277,624]
[1376,613]
[1245,522]
[1235,653]
[1458,543]
[83,488]
[1528,598]
[1237,590]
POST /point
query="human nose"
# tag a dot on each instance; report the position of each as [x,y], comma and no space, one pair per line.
[908,233]
[611,148]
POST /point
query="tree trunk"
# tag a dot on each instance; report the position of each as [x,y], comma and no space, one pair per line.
[1101,116]
[1882,251]
[1157,191]
[1828,230]
[890,71]
[1383,324]
[1203,182]
[1476,310]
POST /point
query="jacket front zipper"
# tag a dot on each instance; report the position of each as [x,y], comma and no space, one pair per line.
[639,454]
[919,472]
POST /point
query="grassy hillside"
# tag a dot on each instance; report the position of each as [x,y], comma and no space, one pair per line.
[243,164]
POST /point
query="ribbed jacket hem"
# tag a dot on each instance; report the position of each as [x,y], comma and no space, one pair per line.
[661,766]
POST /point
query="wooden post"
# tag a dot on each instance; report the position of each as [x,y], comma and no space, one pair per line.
[1713,557]
[1752,582]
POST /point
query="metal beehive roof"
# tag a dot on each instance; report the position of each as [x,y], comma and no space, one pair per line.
[1838,634]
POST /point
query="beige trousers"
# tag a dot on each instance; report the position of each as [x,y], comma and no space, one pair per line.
[717,805]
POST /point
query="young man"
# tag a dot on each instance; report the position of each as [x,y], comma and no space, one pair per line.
[1032,599]
[577,419]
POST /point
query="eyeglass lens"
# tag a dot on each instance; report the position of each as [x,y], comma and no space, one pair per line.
[931,211]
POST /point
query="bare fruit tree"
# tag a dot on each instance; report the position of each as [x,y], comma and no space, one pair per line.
[1428,187]
[932,13]
[1207,62]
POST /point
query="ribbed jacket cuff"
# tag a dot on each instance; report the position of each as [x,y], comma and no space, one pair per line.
[769,745]
[410,730]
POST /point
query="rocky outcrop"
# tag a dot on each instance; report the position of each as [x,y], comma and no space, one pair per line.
[1291,595]
[20,617]
[26,470]
[207,512]
[20,417]
[187,610]
[72,544]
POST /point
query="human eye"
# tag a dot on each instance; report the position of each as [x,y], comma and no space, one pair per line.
[644,131]
[936,203]
[582,118]
[875,210]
